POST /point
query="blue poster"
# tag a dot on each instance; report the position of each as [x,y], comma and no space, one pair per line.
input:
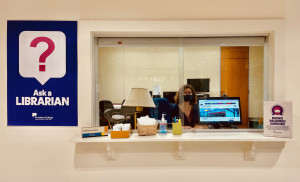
[42,73]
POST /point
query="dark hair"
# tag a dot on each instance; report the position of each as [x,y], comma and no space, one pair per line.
[179,95]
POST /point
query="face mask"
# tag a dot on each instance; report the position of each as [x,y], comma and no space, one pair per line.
[188,98]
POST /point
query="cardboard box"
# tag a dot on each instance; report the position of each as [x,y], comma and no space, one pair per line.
[120,134]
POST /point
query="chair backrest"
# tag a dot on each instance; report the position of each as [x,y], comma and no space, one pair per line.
[105,117]
[162,107]
[105,104]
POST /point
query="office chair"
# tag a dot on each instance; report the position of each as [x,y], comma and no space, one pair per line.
[109,115]
[128,112]
[105,108]
[162,107]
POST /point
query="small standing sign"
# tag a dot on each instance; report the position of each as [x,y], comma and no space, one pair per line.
[278,119]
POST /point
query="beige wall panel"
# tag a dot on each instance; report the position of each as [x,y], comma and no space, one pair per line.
[149,66]
[121,69]
[40,9]
[203,62]
[136,67]
[111,74]
[256,81]
[181,10]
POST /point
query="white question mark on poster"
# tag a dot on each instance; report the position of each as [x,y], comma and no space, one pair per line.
[42,55]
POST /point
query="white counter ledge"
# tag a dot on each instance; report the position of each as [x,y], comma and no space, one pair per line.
[188,137]
[249,137]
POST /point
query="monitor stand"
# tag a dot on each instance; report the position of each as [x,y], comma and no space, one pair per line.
[220,126]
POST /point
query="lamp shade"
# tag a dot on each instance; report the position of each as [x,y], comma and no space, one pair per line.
[139,97]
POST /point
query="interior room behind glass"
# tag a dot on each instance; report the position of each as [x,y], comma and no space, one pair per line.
[213,66]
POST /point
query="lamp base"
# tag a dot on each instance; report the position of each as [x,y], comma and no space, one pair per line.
[137,110]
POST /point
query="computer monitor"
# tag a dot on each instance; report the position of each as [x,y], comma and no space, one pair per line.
[199,84]
[170,96]
[219,111]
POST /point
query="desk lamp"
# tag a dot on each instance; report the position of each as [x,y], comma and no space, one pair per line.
[139,98]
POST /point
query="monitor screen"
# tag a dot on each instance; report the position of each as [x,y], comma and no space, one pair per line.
[170,96]
[200,85]
[220,110]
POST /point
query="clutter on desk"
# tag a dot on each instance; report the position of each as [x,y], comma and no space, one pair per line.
[121,131]
[147,126]
[94,131]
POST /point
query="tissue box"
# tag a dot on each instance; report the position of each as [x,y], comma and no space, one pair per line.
[120,134]
[177,128]
[146,130]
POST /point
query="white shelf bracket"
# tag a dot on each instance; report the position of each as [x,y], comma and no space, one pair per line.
[249,151]
[111,153]
[180,153]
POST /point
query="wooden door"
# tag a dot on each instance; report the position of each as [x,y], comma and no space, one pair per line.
[235,77]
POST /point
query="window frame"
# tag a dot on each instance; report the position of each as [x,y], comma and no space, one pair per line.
[181,43]
[90,30]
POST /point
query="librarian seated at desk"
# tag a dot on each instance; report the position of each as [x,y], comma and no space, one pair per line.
[186,107]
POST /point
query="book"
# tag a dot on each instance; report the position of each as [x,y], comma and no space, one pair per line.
[94,131]
[93,134]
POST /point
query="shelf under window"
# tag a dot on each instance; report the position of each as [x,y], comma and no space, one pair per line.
[250,139]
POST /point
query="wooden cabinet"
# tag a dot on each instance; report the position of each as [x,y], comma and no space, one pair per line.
[235,77]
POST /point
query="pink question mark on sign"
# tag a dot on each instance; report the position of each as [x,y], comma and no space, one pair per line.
[43,57]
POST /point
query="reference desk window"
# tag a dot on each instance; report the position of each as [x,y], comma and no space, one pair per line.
[231,66]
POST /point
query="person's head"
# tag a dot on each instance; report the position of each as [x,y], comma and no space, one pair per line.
[186,94]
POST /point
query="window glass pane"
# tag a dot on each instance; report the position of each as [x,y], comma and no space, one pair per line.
[169,63]
[111,74]
[256,81]
[123,68]
[149,66]
[203,63]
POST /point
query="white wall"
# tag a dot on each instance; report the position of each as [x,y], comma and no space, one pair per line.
[123,68]
[33,153]
[111,74]
[182,10]
[256,84]
[120,69]
[204,62]
[45,154]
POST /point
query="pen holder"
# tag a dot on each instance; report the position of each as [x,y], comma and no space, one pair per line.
[177,128]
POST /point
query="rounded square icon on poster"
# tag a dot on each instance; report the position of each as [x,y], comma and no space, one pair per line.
[42,55]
